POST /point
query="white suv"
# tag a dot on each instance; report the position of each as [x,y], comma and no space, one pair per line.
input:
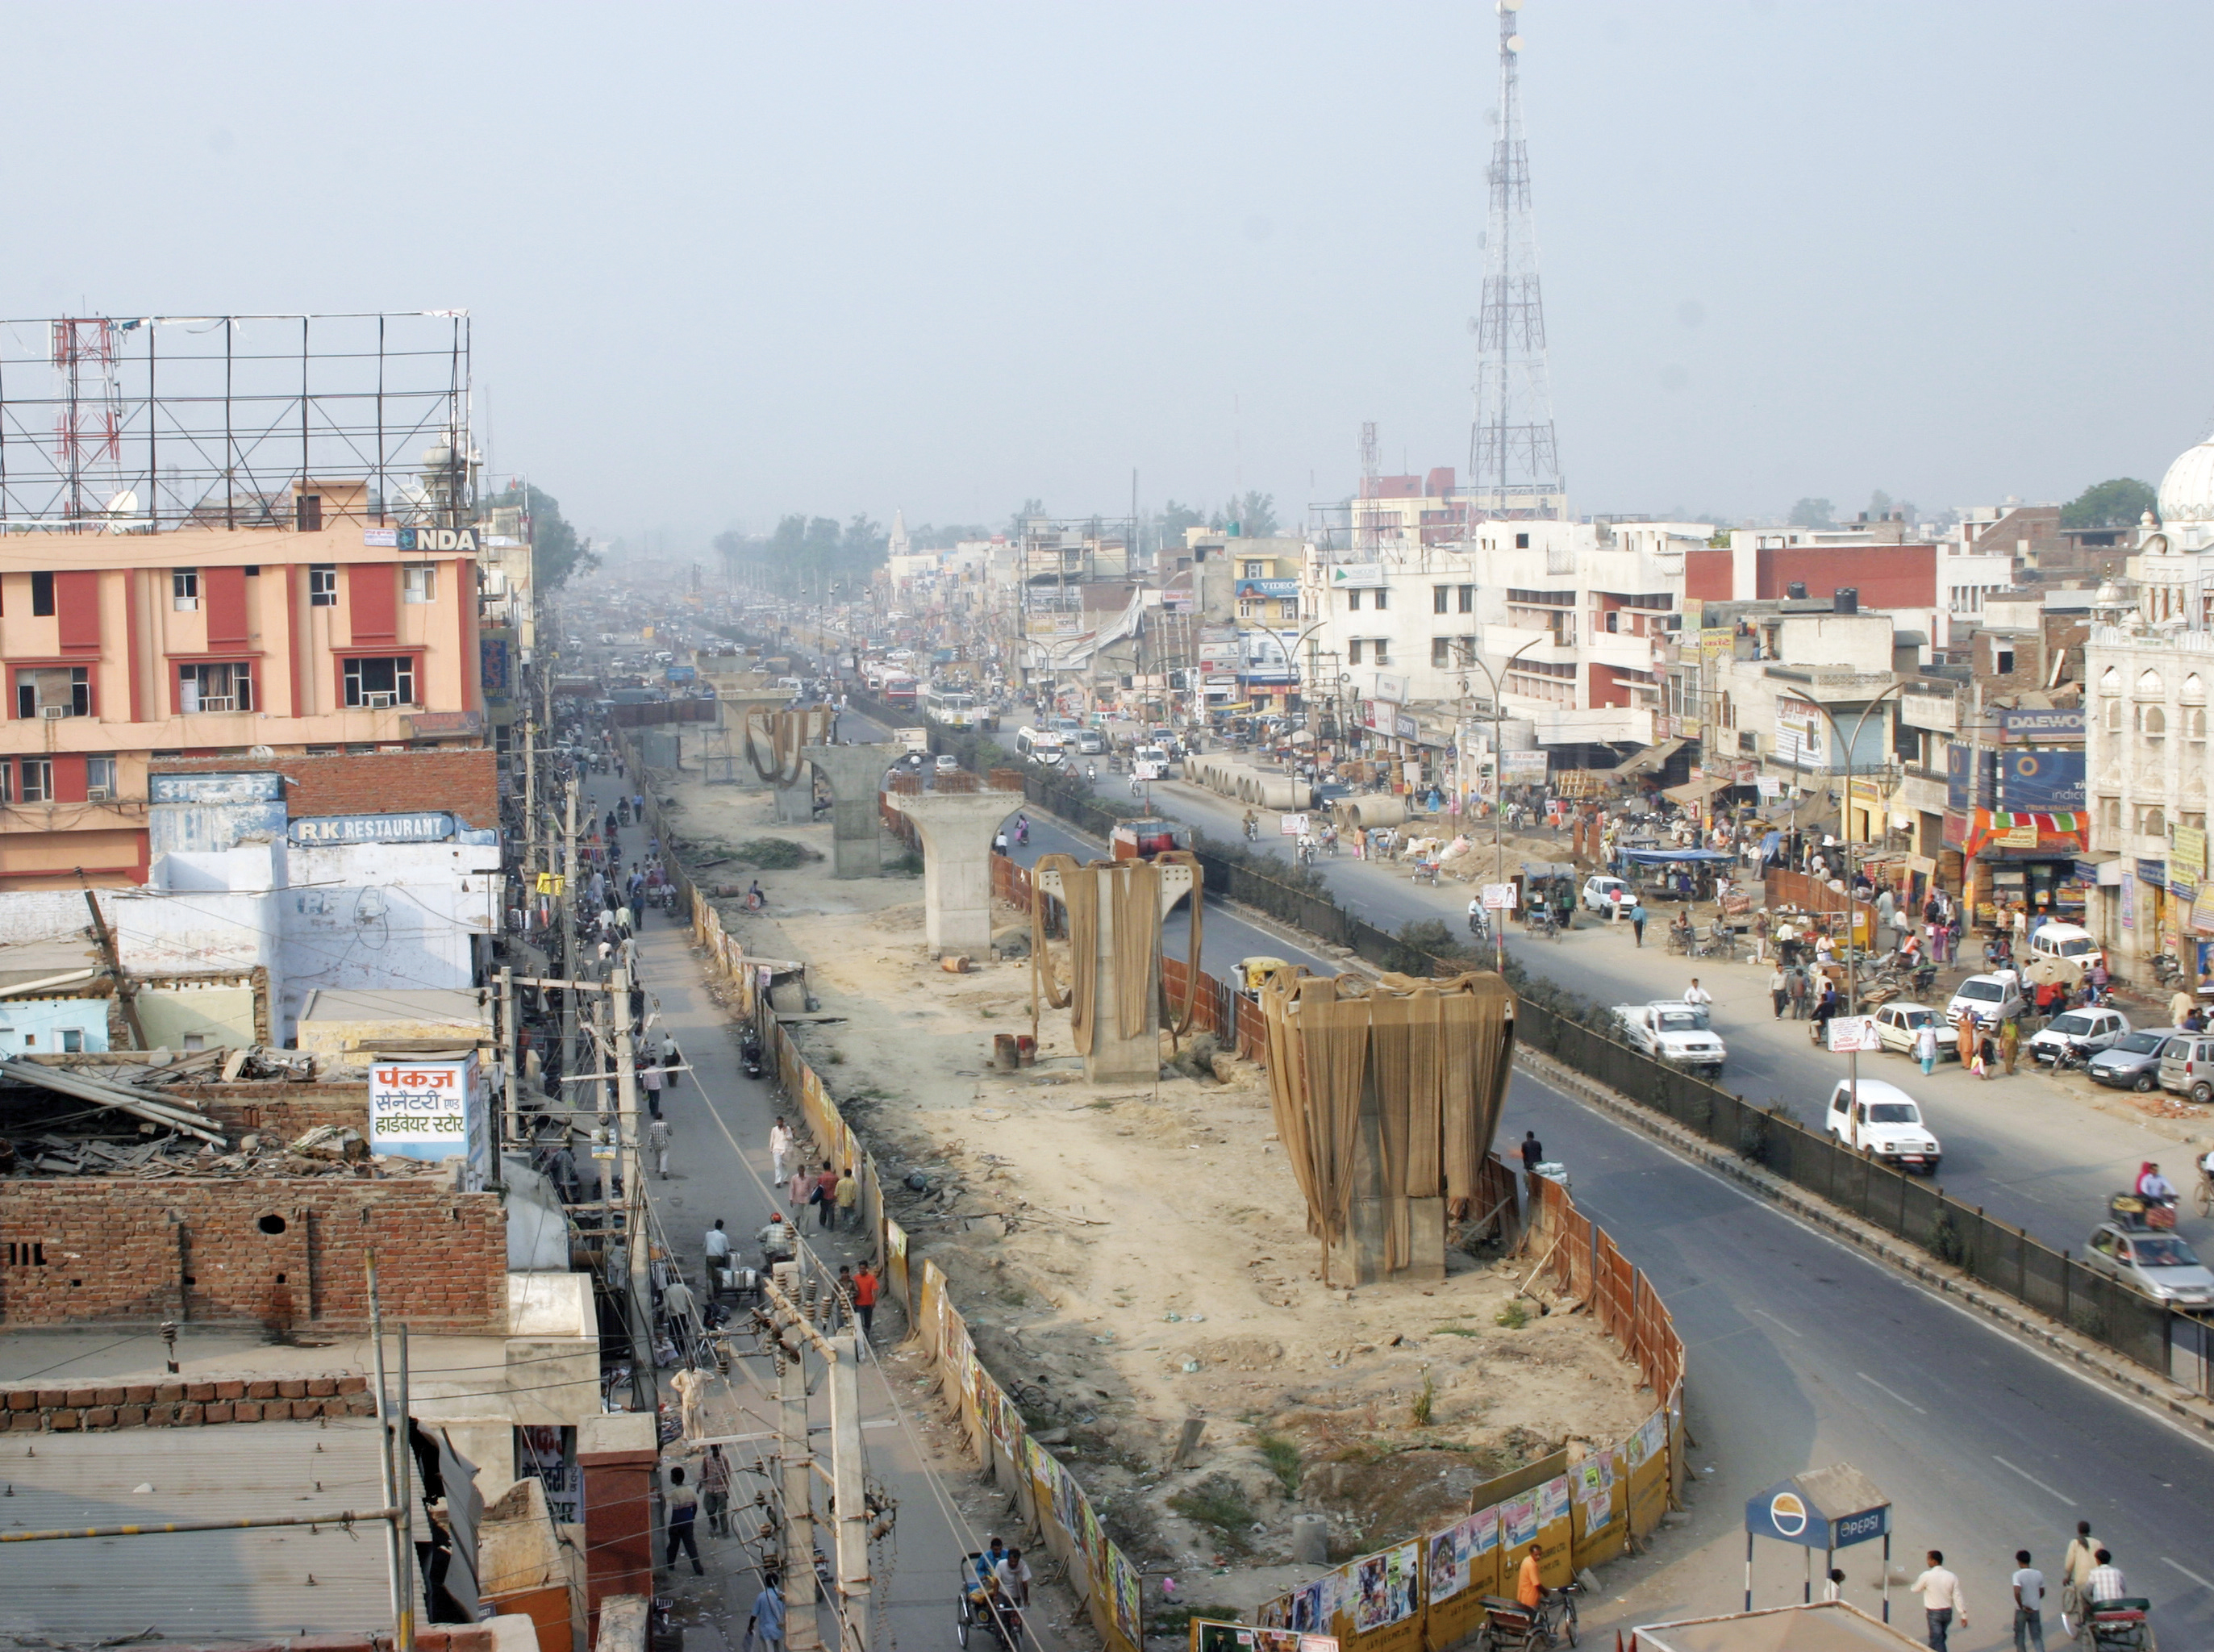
[1883,1119]
[1988,998]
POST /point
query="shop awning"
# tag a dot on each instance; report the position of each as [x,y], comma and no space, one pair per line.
[1672,857]
[1650,760]
[1697,791]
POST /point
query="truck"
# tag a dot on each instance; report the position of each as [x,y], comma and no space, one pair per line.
[1675,1032]
[915,737]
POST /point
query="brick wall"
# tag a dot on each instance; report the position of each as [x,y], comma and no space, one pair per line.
[464,782]
[276,1252]
[1886,576]
[283,1112]
[176,1402]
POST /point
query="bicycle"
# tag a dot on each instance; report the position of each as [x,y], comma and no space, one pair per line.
[2203,1195]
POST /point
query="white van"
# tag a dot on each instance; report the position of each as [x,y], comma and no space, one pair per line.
[1044,746]
[2070,941]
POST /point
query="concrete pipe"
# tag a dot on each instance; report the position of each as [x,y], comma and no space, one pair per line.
[1359,814]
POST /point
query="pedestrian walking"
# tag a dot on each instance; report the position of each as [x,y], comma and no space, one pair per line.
[1964,1037]
[683,1509]
[2076,1564]
[1533,1154]
[779,1146]
[649,1080]
[824,1198]
[2009,1042]
[1779,991]
[802,1185]
[765,1623]
[865,1297]
[716,1248]
[2028,1604]
[656,1143]
[1637,925]
[715,1491]
[849,1199]
[1925,1048]
[1942,1601]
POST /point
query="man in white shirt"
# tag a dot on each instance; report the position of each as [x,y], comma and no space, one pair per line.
[2028,1604]
[716,1247]
[779,1145]
[1695,994]
[1941,1599]
[2106,1583]
[1015,1574]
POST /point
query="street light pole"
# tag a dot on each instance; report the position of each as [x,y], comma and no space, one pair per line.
[1498,785]
[1845,827]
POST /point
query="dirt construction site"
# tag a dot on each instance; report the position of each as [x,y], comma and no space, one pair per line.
[1134,1261]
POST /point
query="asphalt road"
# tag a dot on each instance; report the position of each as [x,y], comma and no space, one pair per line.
[1804,1353]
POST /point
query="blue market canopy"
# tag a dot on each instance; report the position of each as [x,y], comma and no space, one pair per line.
[1832,1508]
[1673,857]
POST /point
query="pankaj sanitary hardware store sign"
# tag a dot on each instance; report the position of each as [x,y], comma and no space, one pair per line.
[431,1108]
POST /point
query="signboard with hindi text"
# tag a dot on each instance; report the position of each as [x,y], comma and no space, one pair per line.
[431,1107]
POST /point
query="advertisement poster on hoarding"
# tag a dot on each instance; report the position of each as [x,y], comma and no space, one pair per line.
[1854,1035]
[1384,1588]
[433,1108]
[1453,1549]
[1501,898]
[1122,1576]
[1518,1520]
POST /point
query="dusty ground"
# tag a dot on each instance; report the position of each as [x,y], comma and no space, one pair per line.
[1128,1258]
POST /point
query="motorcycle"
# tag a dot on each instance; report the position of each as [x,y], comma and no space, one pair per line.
[1479,926]
[749,1054]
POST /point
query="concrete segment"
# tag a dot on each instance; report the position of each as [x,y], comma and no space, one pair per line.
[956,828]
[1114,1058]
[856,776]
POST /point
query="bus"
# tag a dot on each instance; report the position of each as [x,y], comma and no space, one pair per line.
[900,692]
[955,708]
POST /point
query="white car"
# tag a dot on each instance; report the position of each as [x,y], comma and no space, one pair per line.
[2071,941]
[1898,1026]
[1673,1032]
[2086,1031]
[1886,1121]
[1603,894]
[1988,998]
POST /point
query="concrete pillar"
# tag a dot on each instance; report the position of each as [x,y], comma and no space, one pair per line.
[856,776]
[956,828]
[795,803]
[1357,1257]
[617,1454]
[1116,1058]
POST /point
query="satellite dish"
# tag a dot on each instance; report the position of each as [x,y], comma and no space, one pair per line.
[1514,43]
[261,754]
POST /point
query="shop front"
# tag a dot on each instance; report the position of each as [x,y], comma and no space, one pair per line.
[2033,861]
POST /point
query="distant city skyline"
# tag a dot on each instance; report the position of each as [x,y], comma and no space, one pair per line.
[730,263]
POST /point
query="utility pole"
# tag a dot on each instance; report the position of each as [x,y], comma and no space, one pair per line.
[511,1045]
[403,1628]
[633,1159]
[848,1491]
[800,1632]
[569,932]
[126,993]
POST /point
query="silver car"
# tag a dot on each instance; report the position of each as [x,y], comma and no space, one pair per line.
[2160,1264]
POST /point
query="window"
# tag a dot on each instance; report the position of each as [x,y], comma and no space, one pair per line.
[307,513]
[1380,603]
[381,681]
[38,779]
[419,582]
[1353,602]
[1521,542]
[1383,649]
[1468,599]
[2003,661]
[42,594]
[1439,595]
[215,688]
[2110,814]
[2152,722]
[53,690]
[6,781]
[72,1041]
[2194,722]
[100,774]
[1257,570]
[323,584]
[184,589]
[1441,651]
[1249,609]
[2152,820]
[1352,652]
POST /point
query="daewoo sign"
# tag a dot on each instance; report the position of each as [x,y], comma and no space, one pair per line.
[2041,725]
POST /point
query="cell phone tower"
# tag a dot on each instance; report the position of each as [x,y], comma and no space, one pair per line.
[1513,460]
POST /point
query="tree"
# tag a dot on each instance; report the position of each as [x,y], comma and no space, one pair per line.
[1031,508]
[1813,513]
[556,552]
[2116,504]
[1254,515]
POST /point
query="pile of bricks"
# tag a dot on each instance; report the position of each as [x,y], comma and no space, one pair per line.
[177,1403]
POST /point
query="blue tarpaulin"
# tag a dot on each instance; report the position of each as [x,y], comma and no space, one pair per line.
[1672,857]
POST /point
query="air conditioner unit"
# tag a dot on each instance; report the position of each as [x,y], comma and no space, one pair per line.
[100,794]
[52,713]
[379,703]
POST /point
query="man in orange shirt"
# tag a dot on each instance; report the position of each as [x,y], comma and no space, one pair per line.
[865,1297]
[1527,1589]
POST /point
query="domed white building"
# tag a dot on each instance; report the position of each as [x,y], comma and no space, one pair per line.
[2186,504]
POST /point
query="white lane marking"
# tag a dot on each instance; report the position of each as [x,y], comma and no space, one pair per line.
[2034,1480]
[1893,1392]
[1794,1330]
[2189,1573]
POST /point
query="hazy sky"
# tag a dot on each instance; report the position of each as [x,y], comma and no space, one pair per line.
[730,261]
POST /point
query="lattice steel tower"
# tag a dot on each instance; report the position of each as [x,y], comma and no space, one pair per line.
[1513,462]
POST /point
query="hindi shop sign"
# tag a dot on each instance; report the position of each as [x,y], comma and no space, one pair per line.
[429,1108]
